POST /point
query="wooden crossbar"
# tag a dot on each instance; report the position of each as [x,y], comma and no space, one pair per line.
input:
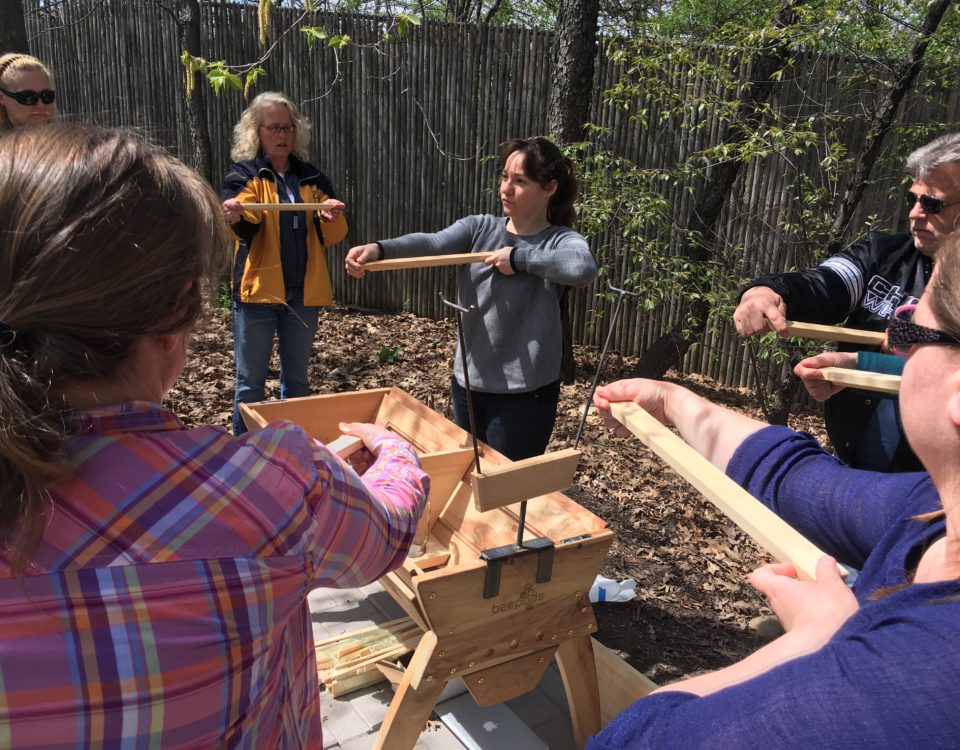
[426,261]
[870,381]
[834,333]
[287,206]
[770,531]
[345,445]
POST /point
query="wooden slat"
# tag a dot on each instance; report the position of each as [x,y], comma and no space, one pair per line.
[766,528]
[512,482]
[834,333]
[287,206]
[620,684]
[870,381]
[426,261]
[344,445]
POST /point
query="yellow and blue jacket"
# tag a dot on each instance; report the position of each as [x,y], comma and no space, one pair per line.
[257,270]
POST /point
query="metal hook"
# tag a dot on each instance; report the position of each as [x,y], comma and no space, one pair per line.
[461,311]
[621,295]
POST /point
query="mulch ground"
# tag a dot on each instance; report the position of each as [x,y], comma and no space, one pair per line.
[688,560]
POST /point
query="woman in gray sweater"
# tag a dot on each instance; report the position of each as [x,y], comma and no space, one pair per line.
[513,337]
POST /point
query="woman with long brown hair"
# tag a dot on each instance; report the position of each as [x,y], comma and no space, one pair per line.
[153,578]
[514,335]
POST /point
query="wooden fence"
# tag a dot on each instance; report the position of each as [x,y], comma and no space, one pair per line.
[406,130]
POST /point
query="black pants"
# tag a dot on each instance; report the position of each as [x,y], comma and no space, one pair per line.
[518,425]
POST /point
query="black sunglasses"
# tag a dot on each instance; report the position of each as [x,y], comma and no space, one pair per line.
[928,203]
[28,98]
[903,334]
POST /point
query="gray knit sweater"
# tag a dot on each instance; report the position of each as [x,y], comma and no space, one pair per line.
[513,336]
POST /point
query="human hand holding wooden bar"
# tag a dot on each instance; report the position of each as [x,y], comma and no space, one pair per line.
[834,333]
[770,531]
[426,261]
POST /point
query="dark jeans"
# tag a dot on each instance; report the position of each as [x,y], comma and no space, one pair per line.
[254,327]
[518,425]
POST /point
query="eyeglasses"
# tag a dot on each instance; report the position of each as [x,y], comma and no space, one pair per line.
[278,129]
[903,334]
[928,203]
[28,98]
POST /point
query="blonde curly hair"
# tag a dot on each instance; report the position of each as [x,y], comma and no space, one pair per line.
[13,64]
[246,140]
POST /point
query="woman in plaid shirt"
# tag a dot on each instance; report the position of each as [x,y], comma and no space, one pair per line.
[153,578]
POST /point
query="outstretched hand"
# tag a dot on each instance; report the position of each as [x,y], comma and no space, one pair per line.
[815,609]
[358,256]
[651,395]
[808,370]
[336,208]
[760,310]
[363,458]
[500,259]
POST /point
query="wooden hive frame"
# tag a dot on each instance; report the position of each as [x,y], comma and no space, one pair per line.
[501,645]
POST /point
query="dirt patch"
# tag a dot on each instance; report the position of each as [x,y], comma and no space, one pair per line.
[688,560]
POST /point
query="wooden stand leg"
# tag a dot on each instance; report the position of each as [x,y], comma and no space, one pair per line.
[579,672]
[410,707]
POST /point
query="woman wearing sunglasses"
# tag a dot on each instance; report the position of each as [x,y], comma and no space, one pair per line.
[872,666]
[280,276]
[26,92]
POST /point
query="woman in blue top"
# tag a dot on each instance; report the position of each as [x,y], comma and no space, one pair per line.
[513,337]
[871,667]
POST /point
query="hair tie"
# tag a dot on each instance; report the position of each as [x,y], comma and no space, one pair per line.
[8,334]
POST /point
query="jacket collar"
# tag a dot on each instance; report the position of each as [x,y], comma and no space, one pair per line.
[297,166]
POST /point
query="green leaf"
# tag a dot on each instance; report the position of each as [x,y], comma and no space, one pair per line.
[314,34]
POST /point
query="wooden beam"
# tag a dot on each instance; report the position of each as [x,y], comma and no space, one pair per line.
[620,684]
[287,206]
[344,445]
[870,381]
[514,481]
[426,261]
[769,530]
[834,333]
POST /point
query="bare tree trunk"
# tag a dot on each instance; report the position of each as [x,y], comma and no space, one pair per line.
[571,92]
[880,123]
[13,27]
[188,26]
[670,348]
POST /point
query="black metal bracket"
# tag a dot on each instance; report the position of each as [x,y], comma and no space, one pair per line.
[494,557]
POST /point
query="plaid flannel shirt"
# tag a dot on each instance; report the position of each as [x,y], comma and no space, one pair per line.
[166,606]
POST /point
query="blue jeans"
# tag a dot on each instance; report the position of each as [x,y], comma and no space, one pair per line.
[518,425]
[254,325]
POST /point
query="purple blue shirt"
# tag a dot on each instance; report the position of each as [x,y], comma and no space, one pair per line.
[888,676]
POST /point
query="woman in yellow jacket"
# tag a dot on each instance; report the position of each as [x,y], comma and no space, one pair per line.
[280,276]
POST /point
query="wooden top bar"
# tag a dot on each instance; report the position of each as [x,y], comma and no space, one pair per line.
[870,381]
[770,531]
[426,261]
[287,206]
[834,333]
